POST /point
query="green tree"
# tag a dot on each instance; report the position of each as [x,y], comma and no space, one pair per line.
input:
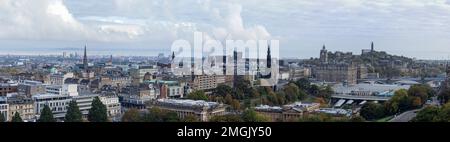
[444,113]
[98,111]
[46,115]
[16,118]
[357,119]
[444,95]
[226,118]
[235,105]
[197,95]
[158,115]
[371,111]
[2,117]
[303,84]
[132,115]
[73,113]
[421,91]
[223,90]
[428,114]
[293,93]
[190,118]
[251,115]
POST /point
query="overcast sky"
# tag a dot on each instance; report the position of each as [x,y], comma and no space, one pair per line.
[415,28]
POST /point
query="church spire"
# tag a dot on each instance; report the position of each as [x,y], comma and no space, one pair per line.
[269,58]
[85,60]
[372,47]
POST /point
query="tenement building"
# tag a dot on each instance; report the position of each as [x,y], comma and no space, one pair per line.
[23,106]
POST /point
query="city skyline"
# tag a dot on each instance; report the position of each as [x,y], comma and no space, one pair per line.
[412,28]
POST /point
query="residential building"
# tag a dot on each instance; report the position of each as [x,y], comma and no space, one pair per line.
[6,88]
[137,74]
[4,107]
[58,79]
[23,106]
[202,110]
[112,103]
[207,82]
[30,88]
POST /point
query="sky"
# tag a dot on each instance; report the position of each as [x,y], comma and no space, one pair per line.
[413,28]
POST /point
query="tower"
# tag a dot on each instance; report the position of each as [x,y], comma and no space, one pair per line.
[372,49]
[324,55]
[85,60]
[110,60]
[269,58]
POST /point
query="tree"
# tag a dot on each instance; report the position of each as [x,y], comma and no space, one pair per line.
[251,115]
[303,84]
[371,111]
[428,114]
[16,118]
[357,119]
[2,117]
[235,105]
[223,90]
[421,91]
[73,113]
[226,118]
[444,114]
[158,115]
[190,118]
[197,95]
[132,115]
[444,95]
[98,111]
[46,115]
[293,93]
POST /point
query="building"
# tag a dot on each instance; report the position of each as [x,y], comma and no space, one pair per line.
[362,72]
[113,106]
[6,88]
[84,103]
[336,72]
[296,73]
[4,108]
[368,89]
[30,88]
[200,109]
[137,74]
[57,103]
[23,106]
[136,97]
[66,89]
[286,113]
[207,82]
[323,55]
[58,79]
[116,81]
[169,89]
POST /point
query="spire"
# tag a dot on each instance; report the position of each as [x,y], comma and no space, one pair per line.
[85,60]
[372,47]
[323,47]
[269,58]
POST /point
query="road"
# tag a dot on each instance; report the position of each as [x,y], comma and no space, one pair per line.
[405,117]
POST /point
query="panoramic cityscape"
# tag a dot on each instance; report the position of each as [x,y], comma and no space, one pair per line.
[123,61]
